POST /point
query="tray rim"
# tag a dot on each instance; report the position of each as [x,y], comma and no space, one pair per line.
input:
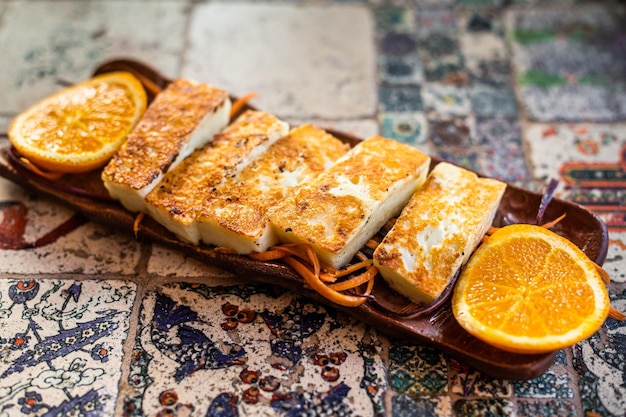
[493,361]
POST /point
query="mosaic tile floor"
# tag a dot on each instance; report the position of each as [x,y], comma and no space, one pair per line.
[95,323]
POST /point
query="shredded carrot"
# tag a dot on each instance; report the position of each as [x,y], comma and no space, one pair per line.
[240,103]
[355,281]
[270,255]
[350,269]
[148,84]
[324,290]
[492,230]
[46,174]
[372,244]
[553,222]
[616,314]
[136,223]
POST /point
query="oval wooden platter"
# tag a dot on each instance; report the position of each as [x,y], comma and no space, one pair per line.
[436,328]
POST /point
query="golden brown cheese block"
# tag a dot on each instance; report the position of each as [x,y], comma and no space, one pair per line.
[437,231]
[183,117]
[340,209]
[235,215]
[176,202]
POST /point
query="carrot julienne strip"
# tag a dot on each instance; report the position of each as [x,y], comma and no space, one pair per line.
[553,222]
[270,255]
[324,290]
[616,314]
[355,281]
[350,269]
[136,223]
[46,174]
[240,103]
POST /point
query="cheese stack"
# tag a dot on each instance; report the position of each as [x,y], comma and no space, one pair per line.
[235,214]
[181,118]
[437,231]
[340,209]
[176,202]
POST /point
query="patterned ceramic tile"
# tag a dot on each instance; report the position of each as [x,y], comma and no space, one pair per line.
[484,48]
[570,62]
[417,370]
[561,408]
[394,18]
[409,128]
[407,98]
[442,59]
[446,99]
[468,382]
[615,264]
[447,130]
[440,20]
[600,362]
[492,101]
[589,160]
[501,141]
[407,406]
[476,408]
[310,67]
[405,69]
[61,345]
[40,236]
[71,38]
[255,350]
[554,383]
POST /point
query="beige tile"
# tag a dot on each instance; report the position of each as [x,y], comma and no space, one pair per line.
[169,262]
[71,38]
[302,60]
[89,249]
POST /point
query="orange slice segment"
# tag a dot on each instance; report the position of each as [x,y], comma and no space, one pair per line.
[80,127]
[529,290]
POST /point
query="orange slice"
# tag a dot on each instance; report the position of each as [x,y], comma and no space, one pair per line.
[529,290]
[80,127]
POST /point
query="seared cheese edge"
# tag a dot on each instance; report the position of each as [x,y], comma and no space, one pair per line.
[338,211]
[437,231]
[236,216]
[164,136]
[178,200]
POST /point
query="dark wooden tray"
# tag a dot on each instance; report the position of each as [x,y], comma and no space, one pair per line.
[436,328]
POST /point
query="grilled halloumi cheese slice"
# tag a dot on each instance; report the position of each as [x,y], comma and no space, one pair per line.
[176,201]
[235,215]
[183,117]
[437,231]
[340,209]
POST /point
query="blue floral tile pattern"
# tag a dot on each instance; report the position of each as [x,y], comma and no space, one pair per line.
[62,345]
[285,355]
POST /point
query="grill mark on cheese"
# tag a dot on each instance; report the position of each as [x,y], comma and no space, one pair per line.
[176,202]
[437,231]
[181,118]
[235,215]
[338,211]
